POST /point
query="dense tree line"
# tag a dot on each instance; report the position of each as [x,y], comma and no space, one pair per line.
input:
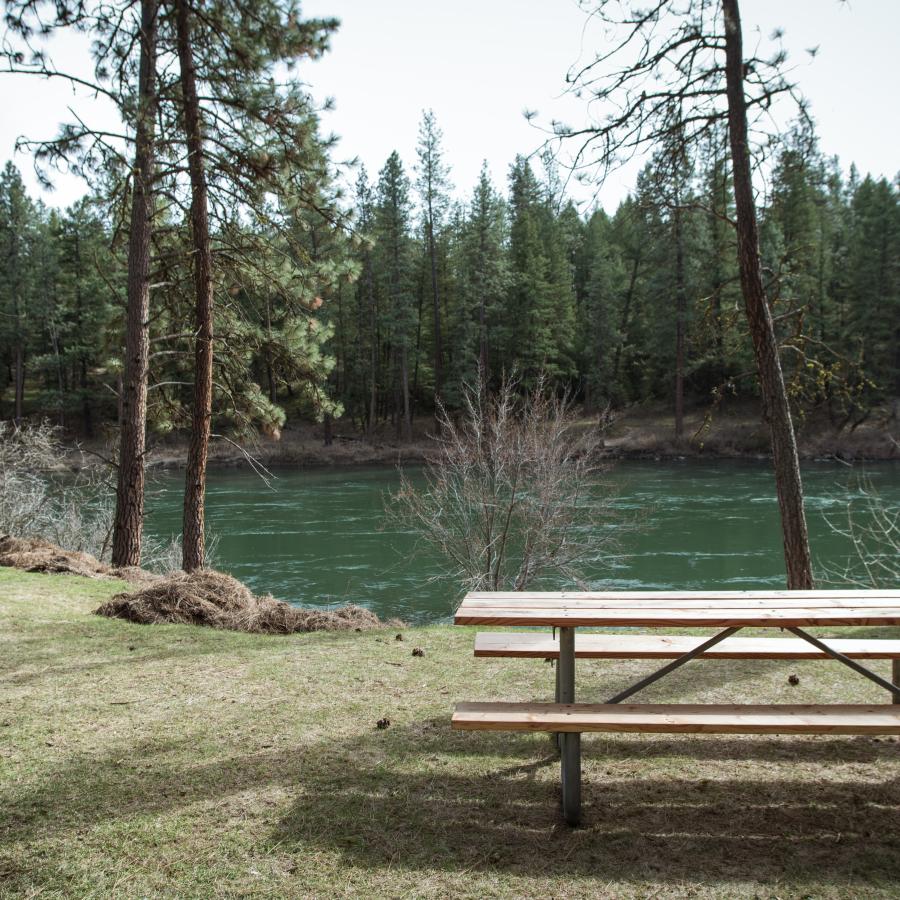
[62,322]
[620,308]
[639,304]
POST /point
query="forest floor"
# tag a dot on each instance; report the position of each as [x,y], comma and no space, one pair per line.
[179,761]
[640,432]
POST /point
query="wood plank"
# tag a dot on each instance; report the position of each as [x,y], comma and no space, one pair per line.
[700,618]
[642,646]
[728,603]
[669,596]
[679,718]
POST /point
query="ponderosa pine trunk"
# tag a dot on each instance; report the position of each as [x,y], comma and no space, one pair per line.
[20,377]
[483,352]
[718,209]
[626,313]
[404,388]
[680,314]
[436,308]
[373,350]
[129,515]
[776,407]
[483,359]
[192,547]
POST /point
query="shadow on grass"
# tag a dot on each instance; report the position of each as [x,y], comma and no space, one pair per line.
[48,652]
[736,823]
[422,797]
[455,801]
[47,669]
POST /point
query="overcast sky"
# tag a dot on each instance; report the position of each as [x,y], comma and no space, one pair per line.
[480,63]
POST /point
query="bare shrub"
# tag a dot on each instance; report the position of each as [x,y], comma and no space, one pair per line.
[27,453]
[163,555]
[512,493]
[43,495]
[871,526]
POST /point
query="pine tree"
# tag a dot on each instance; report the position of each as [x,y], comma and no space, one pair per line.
[395,268]
[433,187]
[874,264]
[18,232]
[483,277]
[529,309]
[87,278]
[265,142]
[721,352]
[600,310]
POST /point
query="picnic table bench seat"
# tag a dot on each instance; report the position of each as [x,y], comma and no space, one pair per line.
[536,645]
[680,718]
[728,611]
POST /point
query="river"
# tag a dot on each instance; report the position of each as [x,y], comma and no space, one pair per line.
[318,537]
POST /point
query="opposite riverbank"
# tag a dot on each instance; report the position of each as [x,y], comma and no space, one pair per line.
[645,432]
[180,761]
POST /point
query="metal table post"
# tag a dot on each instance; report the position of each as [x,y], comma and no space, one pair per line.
[895,672]
[570,742]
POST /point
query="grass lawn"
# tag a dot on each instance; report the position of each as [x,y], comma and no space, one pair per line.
[170,761]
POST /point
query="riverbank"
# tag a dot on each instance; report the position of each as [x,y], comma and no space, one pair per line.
[645,432]
[182,761]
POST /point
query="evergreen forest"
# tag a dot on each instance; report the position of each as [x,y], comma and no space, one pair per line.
[379,302]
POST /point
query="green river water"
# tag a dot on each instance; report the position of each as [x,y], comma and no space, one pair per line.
[318,537]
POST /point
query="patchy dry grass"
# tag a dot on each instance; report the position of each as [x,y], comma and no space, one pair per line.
[179,761]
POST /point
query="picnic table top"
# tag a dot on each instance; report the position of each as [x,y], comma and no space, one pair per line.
[766,608]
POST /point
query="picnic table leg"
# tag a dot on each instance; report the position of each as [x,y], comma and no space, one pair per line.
[895,672]
[556,737]
[570,755]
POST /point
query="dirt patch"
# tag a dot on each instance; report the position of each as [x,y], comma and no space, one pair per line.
[38,555]
[220,601]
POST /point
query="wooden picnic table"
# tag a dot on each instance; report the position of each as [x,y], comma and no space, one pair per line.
[730,611]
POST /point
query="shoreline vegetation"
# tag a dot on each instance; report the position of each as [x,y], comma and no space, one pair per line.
[185,761]
[640,433]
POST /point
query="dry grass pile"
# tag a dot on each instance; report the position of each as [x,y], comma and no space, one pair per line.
[38,555]
[220,601]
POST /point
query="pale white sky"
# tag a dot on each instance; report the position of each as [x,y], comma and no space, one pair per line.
[480,63]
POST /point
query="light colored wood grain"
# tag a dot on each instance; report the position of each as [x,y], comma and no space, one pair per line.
[576,616]
[640,646]
[678,718]
[681,608]
[668,596]
[528,602]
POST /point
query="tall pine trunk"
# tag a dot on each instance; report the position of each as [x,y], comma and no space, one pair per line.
[436,305]
[418,355]
[192,548]
[373,350]
[680,315]
[483,358]
[60,376]
[404,388]
[129,516]
[87,417]
[19,376]
[762,329]
[718,207]
[483,351]
[626,316]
